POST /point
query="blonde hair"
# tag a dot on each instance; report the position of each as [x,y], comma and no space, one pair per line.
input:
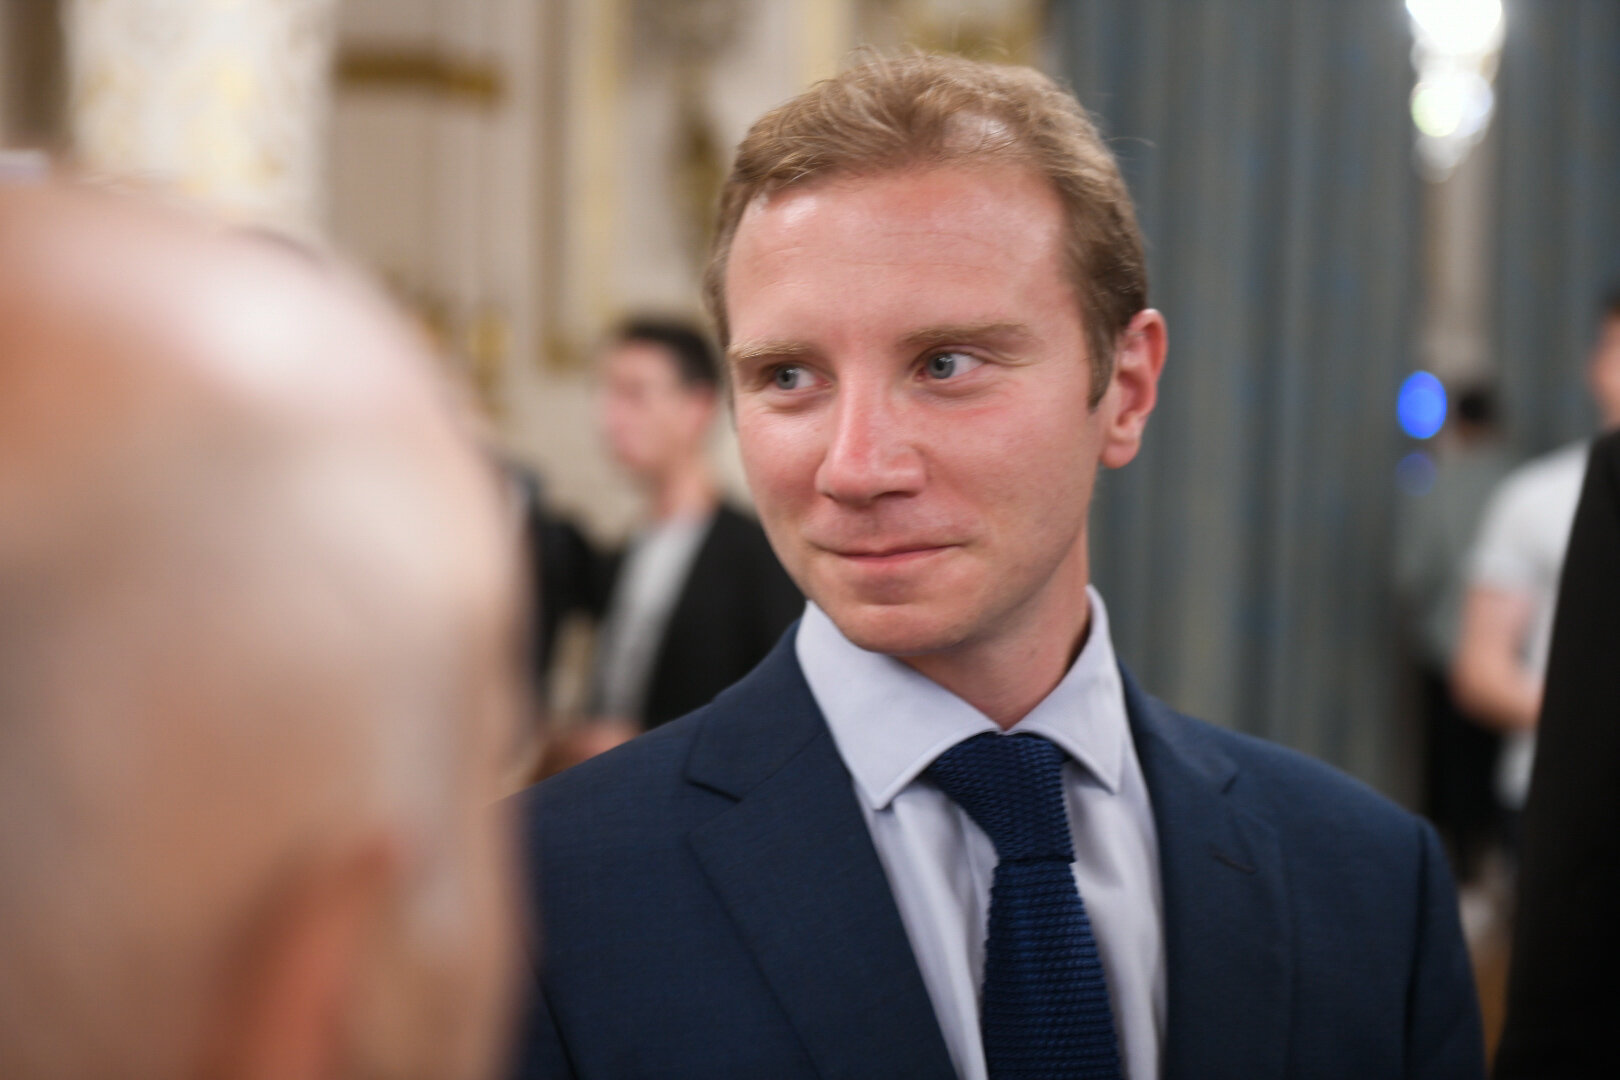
[920,109]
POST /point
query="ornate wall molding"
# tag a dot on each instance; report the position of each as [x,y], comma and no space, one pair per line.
[227,99]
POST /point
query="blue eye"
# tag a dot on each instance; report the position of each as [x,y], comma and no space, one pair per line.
[948,365]
[788,377]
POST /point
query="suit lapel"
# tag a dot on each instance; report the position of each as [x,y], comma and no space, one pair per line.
[794,866]
[1228,948]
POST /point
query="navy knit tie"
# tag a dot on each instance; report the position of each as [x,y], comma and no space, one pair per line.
[1044,1014]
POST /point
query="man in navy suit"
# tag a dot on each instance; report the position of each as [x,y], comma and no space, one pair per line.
[929,281]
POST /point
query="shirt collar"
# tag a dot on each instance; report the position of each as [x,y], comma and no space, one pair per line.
[890,723]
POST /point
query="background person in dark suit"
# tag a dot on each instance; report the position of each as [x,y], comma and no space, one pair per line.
[930,283]
[1562,990]
[696,598]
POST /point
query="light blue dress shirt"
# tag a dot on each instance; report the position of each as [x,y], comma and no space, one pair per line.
[889,723]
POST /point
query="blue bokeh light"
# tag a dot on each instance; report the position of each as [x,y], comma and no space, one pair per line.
[1422,405]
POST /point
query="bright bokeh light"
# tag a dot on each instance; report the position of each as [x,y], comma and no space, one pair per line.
[1421,406]
[1457,42]
[1436,108]
[1457,103]
[1458,27]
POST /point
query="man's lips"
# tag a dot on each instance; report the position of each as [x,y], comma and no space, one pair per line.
[889,553]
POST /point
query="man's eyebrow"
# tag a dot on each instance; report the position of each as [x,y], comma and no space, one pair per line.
[748,351]
[929,337]
[966,334]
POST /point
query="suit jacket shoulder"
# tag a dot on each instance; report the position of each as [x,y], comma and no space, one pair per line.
[713,906]
[1303,912]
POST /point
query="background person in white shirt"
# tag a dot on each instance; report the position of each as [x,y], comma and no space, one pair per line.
[1513,579]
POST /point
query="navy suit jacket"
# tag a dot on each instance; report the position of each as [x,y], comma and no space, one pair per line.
[711,905]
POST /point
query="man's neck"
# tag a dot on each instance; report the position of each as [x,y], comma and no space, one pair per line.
[1006,679]
[686,491]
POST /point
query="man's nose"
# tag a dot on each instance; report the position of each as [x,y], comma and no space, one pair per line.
[871,450]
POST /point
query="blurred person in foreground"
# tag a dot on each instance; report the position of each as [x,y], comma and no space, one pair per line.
[1563,996]
[696,598]
[1507,617]
[939,831]
[257,673]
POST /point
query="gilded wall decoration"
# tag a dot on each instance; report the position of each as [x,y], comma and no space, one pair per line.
[226,99]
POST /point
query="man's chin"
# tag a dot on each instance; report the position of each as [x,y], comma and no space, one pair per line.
[911,629]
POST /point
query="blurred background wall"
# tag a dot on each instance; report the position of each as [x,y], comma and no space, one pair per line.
[522,173]
[1269,147]
[1555,218]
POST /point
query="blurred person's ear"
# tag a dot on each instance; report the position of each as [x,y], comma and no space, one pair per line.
[295,992]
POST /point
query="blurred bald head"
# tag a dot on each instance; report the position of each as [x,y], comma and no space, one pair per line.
[256,670]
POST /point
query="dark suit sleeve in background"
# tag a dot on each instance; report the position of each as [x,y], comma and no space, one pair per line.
[565,573]
[1564,983]
[735,604]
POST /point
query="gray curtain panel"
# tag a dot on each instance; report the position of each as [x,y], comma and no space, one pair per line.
[1558,212]
[1246,555]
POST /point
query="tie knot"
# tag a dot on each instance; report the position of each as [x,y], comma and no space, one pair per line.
[1012,788]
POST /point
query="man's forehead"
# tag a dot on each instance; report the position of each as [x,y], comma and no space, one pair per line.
[921,257]
[897,223]
[941,178]
[639,352]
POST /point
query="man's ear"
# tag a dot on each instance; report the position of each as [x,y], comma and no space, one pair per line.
[292,994]
[1138,359]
